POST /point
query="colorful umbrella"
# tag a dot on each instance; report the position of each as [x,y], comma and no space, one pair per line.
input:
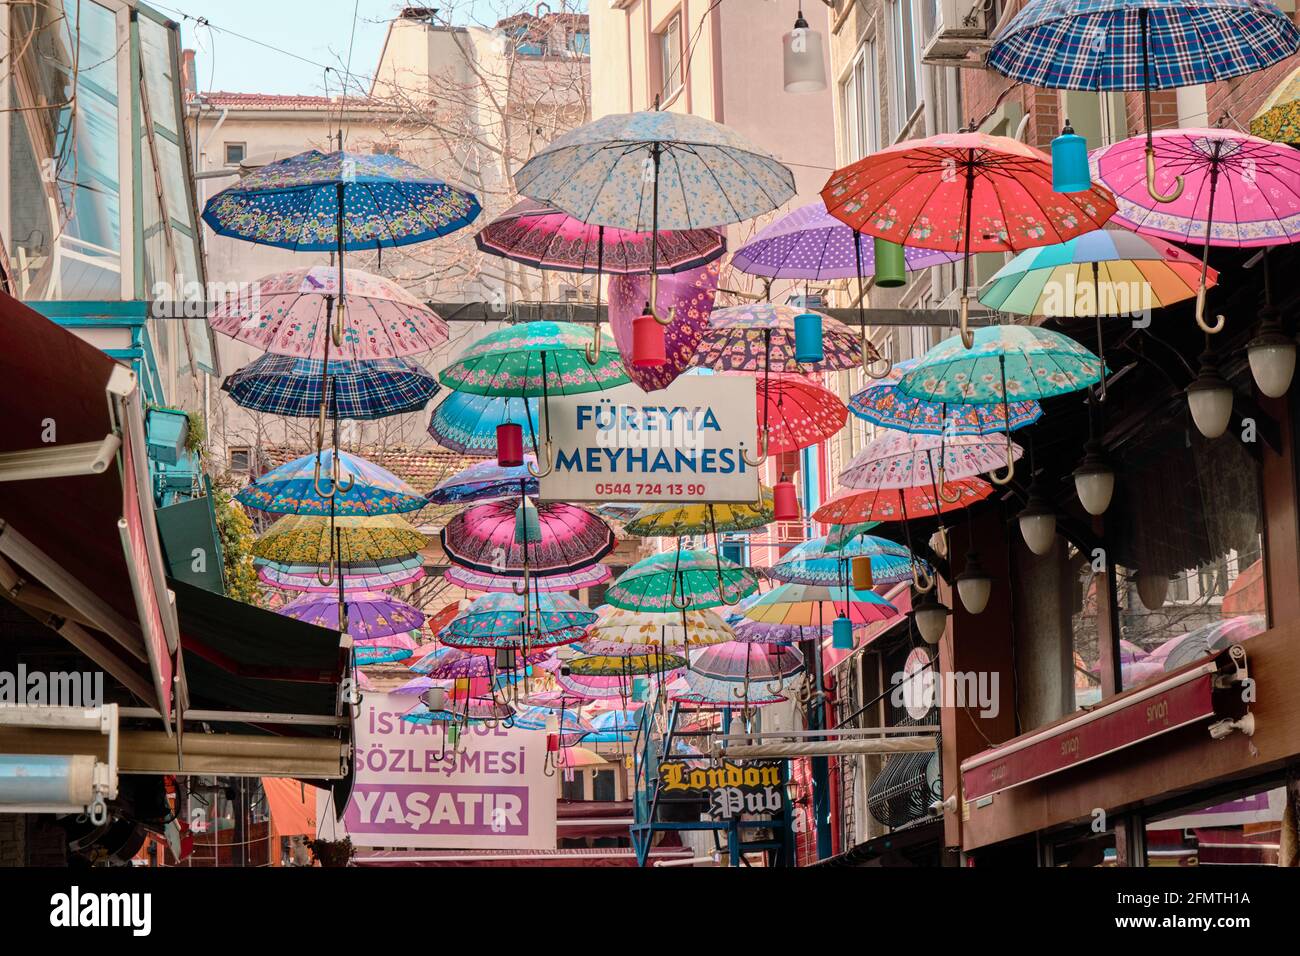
[290,313]
[588,577]
[882,404]
[498,620]
[624,665]
[902,460]
[681,580]
[900,504]
[798,413]
[354,487]
[592,688]
[472,710]
[702,692]
[1279,118]
[686,298]
[485,481]
[1245,191]
[370,615]
[468,423]
[454,663]
[364,576]
[642,628]
[737,661]
[675,520]
[617,722]
[361,391]
[810,243]
[483,539]
[759,337]
[962,192]
[815,561]
[383,650]
[808,605]
[302,539]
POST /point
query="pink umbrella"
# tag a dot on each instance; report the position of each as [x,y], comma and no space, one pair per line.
[1237,190]
[690,294]
[289,313]
[904,460]
[483,539]
[573,581]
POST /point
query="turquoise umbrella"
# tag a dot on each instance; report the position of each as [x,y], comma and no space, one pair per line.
[352,487]
[681,580]
[817,561]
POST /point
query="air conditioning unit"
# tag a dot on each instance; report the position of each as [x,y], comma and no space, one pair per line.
[961,37]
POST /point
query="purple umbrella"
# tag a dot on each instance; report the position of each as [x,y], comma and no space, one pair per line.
[574,581]
[370,615]
[689,293]
[810,243]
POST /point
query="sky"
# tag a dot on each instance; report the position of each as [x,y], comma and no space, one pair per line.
[306,36]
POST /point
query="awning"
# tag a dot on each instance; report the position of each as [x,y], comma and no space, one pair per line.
[614,856]
[75,499]
[292,805]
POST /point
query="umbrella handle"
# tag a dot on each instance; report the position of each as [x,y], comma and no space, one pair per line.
[593,354]
[775,689]
[550,463]
[315,481]
[672,596]
[744,691]
[922,580]
[344,489]
[1004,479]
[329,566]
[1220,321]
[943,495]
[654,302]
[336,330]
[967,336]
[868,361]
[760,460]
[1151,180]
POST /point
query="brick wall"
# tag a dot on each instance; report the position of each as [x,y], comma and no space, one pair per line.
[13,839]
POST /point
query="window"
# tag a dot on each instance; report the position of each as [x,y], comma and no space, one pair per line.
[1246,830]
[580,43]
[906,63]
[240,459]
[603,786]
[669,44]
[235,153]
[860,101]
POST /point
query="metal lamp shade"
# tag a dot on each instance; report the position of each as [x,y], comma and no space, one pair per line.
[1070,173]
[808,346]
[842,634]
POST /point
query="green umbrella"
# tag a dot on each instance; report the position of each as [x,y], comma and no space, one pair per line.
[535,359]
[681,580]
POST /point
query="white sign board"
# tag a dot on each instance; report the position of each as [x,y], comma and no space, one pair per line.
[494,793]
[681,443]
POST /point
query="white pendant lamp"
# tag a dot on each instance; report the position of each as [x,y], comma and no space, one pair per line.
[931,617]
[974,585]
[805,71]
[1094,479]
[1038,521]
[1272,354]
[1210,398]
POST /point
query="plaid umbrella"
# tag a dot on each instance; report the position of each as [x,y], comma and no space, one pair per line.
[468,423]
[360,390]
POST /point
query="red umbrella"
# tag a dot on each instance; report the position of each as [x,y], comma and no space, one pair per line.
[899,504]
[963,192]
[798,413]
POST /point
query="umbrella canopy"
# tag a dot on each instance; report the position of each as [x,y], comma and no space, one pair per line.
[588,577]
[686,297]
[808,605]
[474,710]
[643,628]
[759,336]
[453,663]
[576,758]
[290,313]
[815,561]
[798,413]
[738,661]
[467,423]
[1279,118]
[383,650]
[881,403]
[302,539]
[483,539]
[627,665]
[706,173]
[370,615]
[544,237]
[900,504]
[617,722]
[1208,639]
[810,243]
[696,579]
[363,488]
[485,481]
[295,203]
[534,359]
[363,576]
[1140,44]
[703,692]
[1006,362]
[497,620]
[362,391]
[673,520]
[901,460]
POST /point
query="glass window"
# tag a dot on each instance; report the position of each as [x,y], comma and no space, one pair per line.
[1242,831]
[603,786]
[860,99]
[239,459]
[906,63]
[580,42]
[574,785]
[670,57]
[235,153]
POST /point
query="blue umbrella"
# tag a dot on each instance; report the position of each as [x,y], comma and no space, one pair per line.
[357,487]
[467,423]
[882,403]
[504,620]
[817,562]
[484,481]
[616,722]
[361,390]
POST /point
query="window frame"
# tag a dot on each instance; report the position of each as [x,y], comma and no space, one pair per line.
[898,119]
[660,42]
[225,153]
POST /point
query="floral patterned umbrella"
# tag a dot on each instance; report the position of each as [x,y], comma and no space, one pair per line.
[370,615]
[962,192]
[1279,118]
[798,413]
[900,504]
[759,336]
[902,460]
[544,237]
[642,628]
[816,561]
[737,662]
[498,620]
[588,577]
[675,520]
[361,391]
[708,693]
[881,403]
[290,313]
[592,688]
[454,663]
[382,650]
[303,539]
[363,576]
[687,297]
[624,665]
[354,486]
[810,243]
[485,481]
[810,605]
[682,581]
[468,423]
[1237,190]
[483,539]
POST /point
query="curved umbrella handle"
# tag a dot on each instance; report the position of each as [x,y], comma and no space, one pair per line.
[550,462]
[922,580]
[943,495]
[775,688]
[868,361]
[1220,321]
[593,354]
[329,565]
[654,302]
[342,488]
[1004,479]
[315,481]
[336,330]
[1151,180]
[672,595]
[967,336]
[760,460]
[744,691]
